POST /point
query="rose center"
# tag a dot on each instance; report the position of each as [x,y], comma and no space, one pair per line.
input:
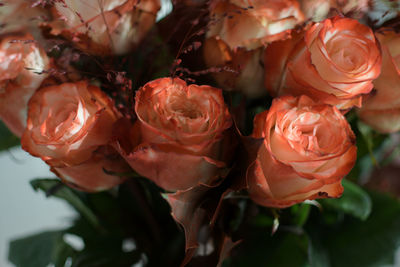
[345,59]
[302,130]
[186,109]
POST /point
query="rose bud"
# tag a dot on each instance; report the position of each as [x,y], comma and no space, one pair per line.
[334,61]
[22,63]
[104,27]
[252,24]
[182,129]
[69,126]
[381,109]
[239,70]
[307,148]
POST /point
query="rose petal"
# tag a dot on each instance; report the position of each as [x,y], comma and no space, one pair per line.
[308,148]
[173,171]
[91,175]
[381,109]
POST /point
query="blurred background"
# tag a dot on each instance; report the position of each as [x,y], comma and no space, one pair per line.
[24,211]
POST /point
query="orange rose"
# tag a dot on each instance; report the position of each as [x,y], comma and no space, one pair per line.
[111,26]
[334,61]
[245,73]
[181,130]
[252,23]
[307,149]
[381,110]
[22,62]
[69,127]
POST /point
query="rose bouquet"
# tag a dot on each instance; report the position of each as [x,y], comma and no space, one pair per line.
[208,133]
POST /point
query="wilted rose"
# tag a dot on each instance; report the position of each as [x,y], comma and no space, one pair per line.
[179,133]
[381,110]
[251,24]
[239,70]
[69,126]
[334,61]
[110,26]
[22,66]
[307,149]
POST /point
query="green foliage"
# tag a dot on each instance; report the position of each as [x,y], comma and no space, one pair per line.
[285,248]
[7,139]
[369,144]
[300,213]
[40,250]
[360,229]
[367,135]
[350,242]
[354,201]
[136,213]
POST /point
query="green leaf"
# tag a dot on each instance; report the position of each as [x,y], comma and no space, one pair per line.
[40,250]
[262,220]
[300,213]
[283,249]
[354,201]
[71,196]
[350,242]
[370,143]
[62,251]
[7,139]
[317,254]
[105,251]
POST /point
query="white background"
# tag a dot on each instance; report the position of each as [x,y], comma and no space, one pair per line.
[22,210]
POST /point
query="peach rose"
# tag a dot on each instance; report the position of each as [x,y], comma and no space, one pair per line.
[245,72]
[109,26]
[381,110]
[179,133]
[69,127]
[252,23]
[22,62]
[334,61]
[307,149]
